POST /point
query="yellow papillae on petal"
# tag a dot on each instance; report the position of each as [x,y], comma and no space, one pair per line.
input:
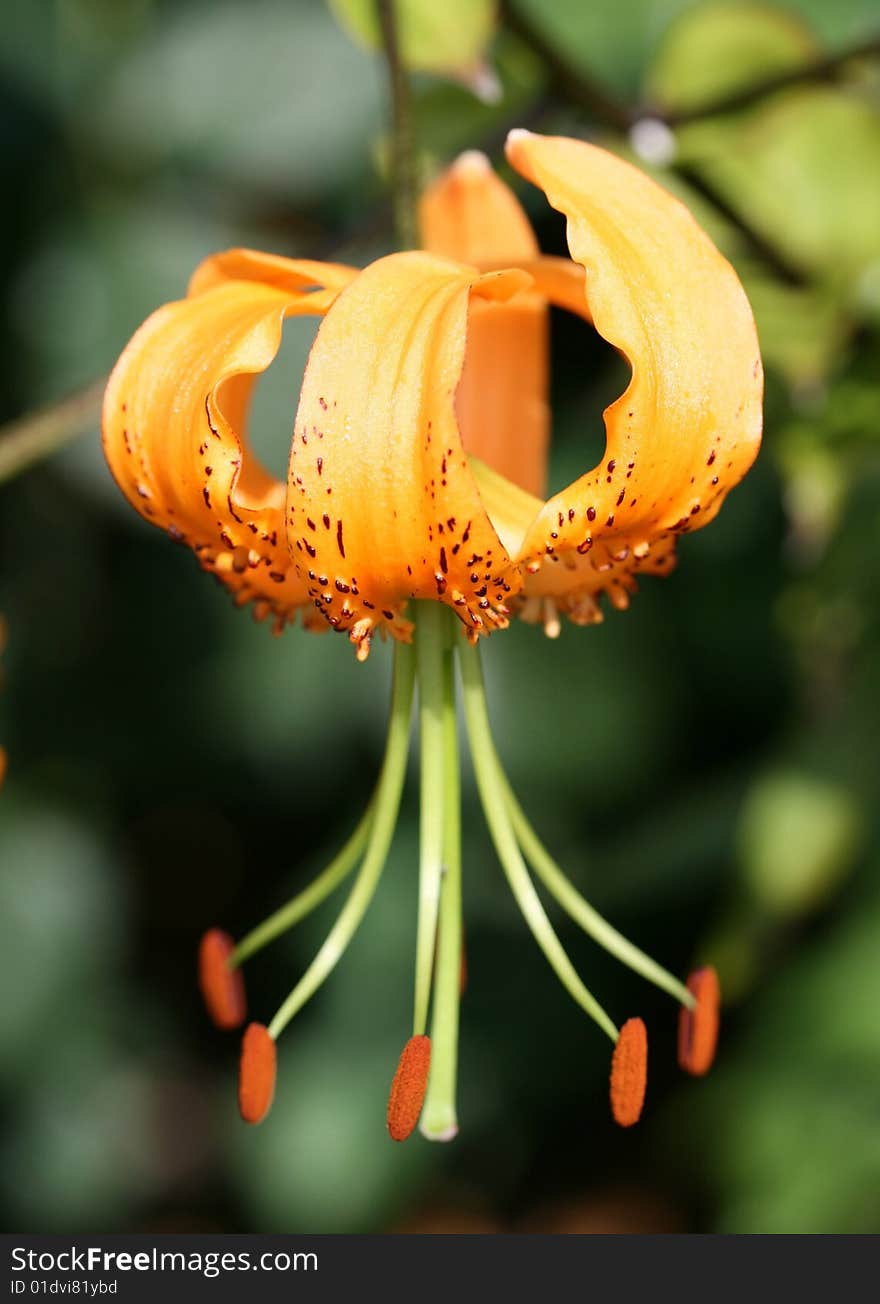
[174,419]
[382,505]
[688,426]
[470,215]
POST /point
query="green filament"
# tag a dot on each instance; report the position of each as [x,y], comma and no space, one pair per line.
[310,898]
[495,807]
[580,909]
[384,817]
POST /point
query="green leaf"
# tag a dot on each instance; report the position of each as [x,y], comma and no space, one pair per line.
[714,50]
[798,839]
[448,38]
[804,169]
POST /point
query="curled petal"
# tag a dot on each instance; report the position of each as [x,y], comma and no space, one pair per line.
[175,414]
[469,214]
[294,275]
[382,504]
[688,426]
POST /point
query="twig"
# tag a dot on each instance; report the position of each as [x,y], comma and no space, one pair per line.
[35,436]
[585,92]
[824,69]
[403,163]
[768,253]
[571,81]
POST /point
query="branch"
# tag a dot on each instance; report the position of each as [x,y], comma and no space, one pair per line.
[403,162]
[579,88]
[35,436]
[583,91]
[824,69]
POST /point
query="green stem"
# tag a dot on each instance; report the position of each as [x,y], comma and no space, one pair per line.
[430,637]
[387,804]
[403,151]
[310,898]
[41,433]
[579,908]
[493,798]
[439,1120]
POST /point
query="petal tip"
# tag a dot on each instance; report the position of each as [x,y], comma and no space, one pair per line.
[516,135]
[515,149]
[473,162]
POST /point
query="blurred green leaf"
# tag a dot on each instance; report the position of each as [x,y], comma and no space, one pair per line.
[798,839]
[788,1120]
[803,330]
[61,915]
[449,38]
[714,49]
[804,169]
[267,95]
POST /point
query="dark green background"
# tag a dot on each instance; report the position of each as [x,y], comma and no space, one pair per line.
[706,765]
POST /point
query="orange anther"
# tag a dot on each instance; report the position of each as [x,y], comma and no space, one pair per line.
[698,1028]
[222,987]
[408,1088]
[256,1073]
[629,1073]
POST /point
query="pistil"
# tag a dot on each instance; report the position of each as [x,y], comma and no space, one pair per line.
[431,640]
[439,1117]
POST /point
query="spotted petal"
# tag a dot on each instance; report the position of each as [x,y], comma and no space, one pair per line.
[469,214]
[688,426]
[383,506]
[174,420]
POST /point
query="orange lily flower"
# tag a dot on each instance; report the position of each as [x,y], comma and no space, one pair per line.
[416,487]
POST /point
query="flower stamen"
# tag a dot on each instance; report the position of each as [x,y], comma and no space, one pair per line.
[629,1073]
[580,910]
[256,1073]
[698,1026]
[221,984]
[384,818]
[408,1088]
[488,775]
[310,897]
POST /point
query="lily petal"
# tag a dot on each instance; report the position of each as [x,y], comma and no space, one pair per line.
[271,269]
[688,427]
[470,215]
[382,503]
[175,415]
